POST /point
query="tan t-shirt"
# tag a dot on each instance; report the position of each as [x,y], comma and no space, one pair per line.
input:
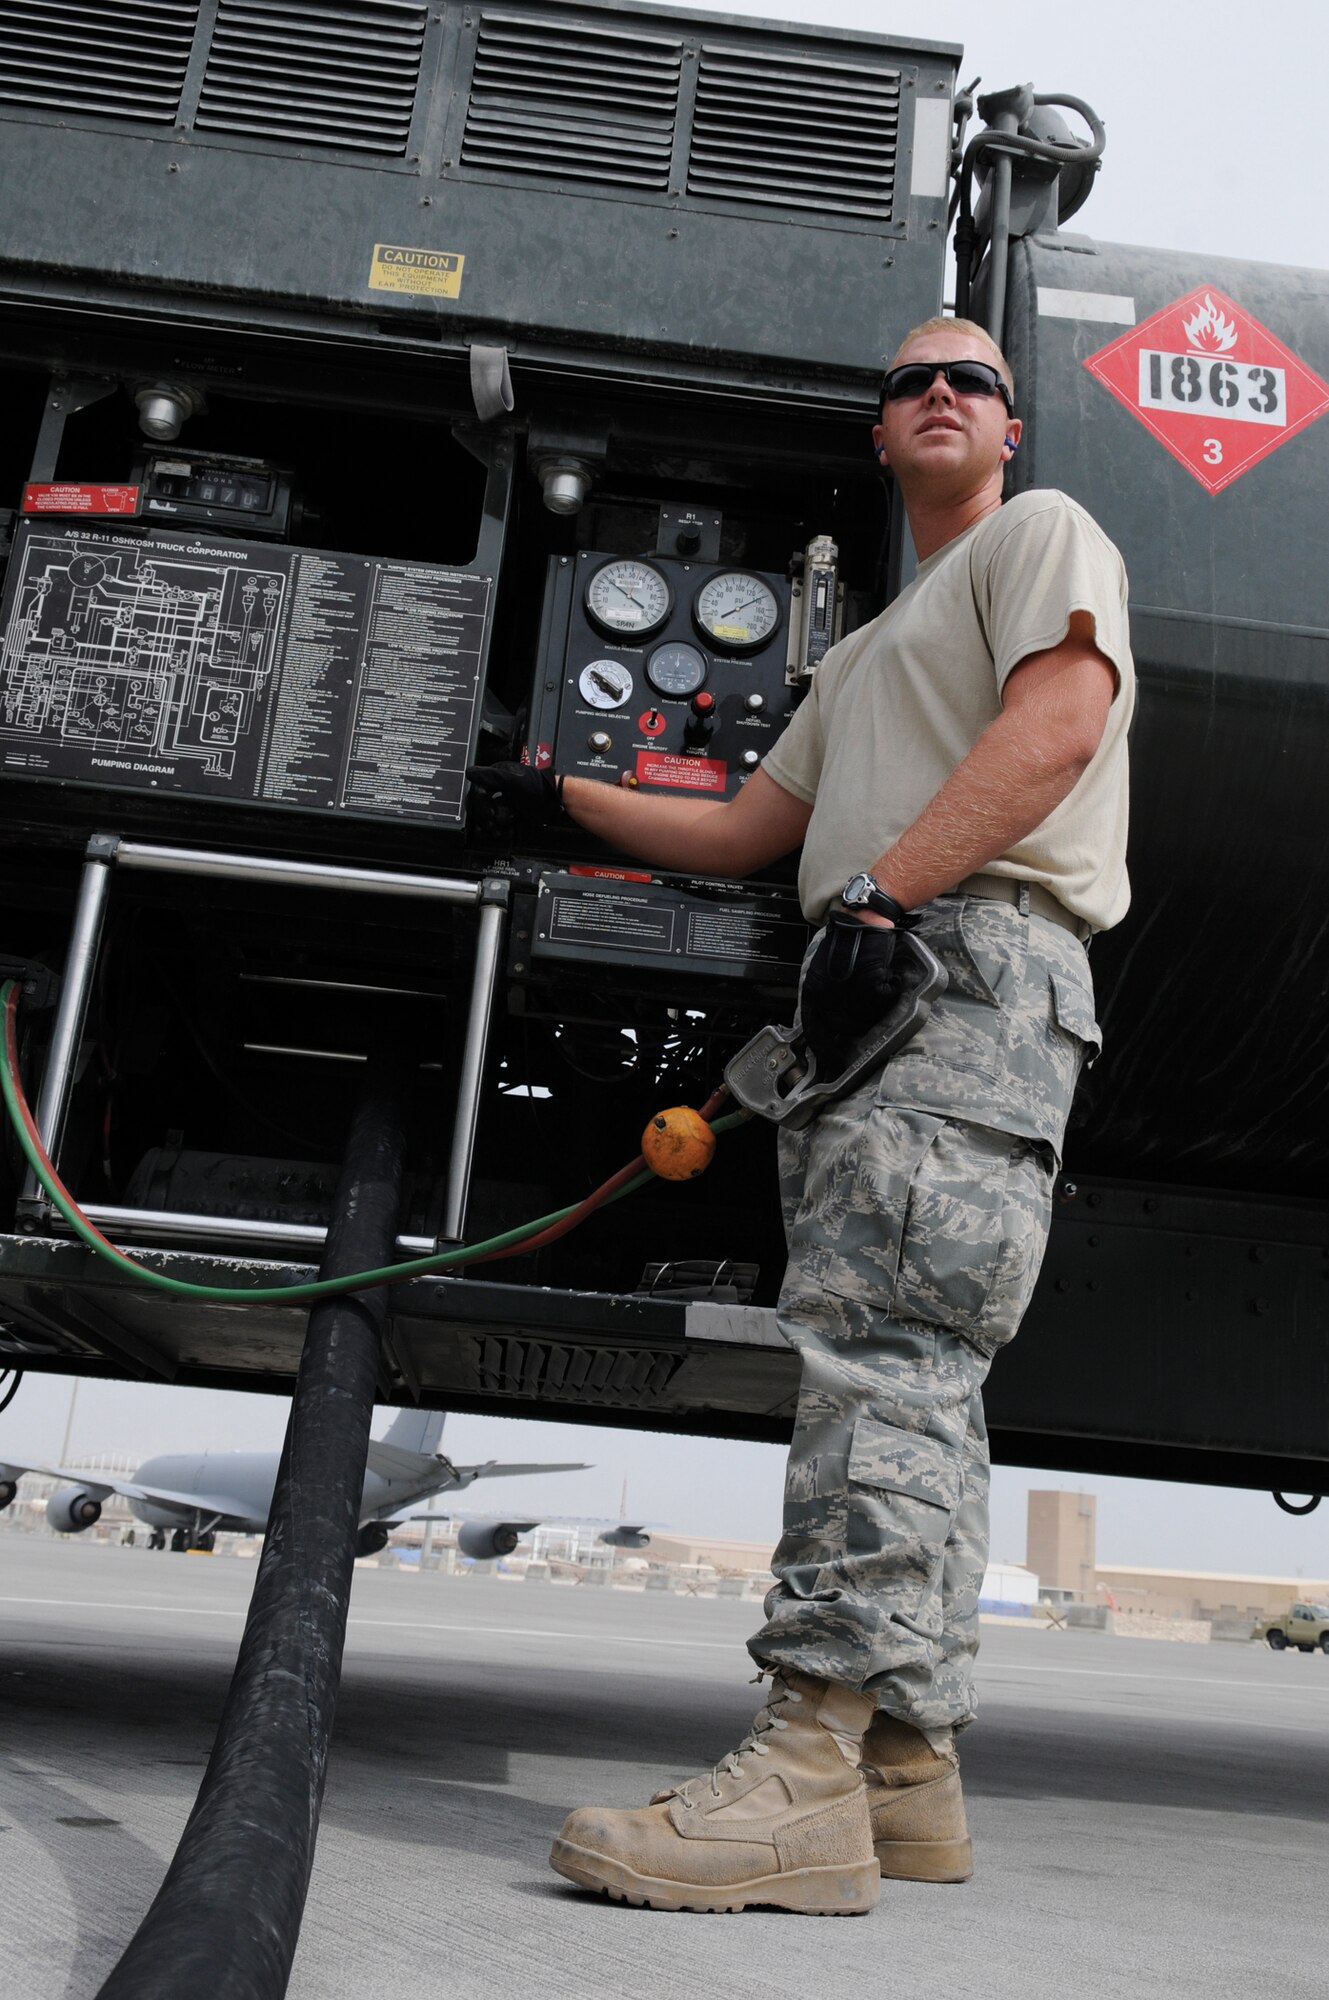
[897,705]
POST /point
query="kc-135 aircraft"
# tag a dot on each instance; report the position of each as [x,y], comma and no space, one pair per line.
[189,1497]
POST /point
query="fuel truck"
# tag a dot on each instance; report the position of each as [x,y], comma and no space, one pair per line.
[398,385]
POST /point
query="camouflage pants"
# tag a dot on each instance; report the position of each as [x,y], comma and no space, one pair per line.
[917,1211]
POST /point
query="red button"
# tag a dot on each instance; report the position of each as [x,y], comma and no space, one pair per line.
[702,704]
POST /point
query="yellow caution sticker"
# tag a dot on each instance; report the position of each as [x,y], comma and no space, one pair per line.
[397,268]
[730,632]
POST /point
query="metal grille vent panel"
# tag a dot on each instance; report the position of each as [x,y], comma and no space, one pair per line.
[561,1371]
[315,75]
[565,101]
[795,131]
[115,58]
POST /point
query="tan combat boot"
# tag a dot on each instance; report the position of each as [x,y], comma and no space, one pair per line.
[919,1832]
[782,1820]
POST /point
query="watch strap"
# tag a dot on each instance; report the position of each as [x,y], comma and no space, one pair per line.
[880,901]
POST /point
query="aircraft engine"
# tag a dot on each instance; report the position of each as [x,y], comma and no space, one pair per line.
[483,1540]
[625,1538]
[71,1510]
[371,1538]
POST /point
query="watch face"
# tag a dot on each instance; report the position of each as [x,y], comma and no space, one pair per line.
[856,891]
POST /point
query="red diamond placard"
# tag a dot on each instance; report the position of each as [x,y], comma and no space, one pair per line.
[1212,384]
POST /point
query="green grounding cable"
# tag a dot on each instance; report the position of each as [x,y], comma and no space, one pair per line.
[256,1295]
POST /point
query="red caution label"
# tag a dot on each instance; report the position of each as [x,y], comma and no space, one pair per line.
[1215,386]
[610,874]
[67,497]
[688,774]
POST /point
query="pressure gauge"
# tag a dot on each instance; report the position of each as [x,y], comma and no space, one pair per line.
[628,598]
[605,684]
[736,611]
[676,670]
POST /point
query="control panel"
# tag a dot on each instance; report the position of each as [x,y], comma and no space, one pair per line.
[661,673]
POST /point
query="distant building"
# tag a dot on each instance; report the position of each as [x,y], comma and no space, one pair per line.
[733,1558]
[1205,1594]
[1008,1590]
[1062,1543]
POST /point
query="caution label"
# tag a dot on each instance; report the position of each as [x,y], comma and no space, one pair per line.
[398,268]
[689,774]
[69,497]
[1216,387]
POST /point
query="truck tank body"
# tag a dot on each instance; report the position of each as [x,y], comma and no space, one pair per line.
[1212,993]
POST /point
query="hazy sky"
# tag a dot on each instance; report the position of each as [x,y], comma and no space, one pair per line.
[1214,114]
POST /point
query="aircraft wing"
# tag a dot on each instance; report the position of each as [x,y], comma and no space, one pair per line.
[413,1468]
[517,1521]
[100,1485]
[493,1470]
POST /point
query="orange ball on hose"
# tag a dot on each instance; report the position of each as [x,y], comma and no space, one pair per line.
[678,1144]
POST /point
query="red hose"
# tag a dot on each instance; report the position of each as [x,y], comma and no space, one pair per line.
[593,1201]
[601,1195]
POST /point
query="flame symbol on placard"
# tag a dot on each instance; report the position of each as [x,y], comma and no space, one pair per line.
[1209,330]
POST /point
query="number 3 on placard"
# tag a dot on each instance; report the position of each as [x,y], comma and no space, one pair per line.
[1213,451]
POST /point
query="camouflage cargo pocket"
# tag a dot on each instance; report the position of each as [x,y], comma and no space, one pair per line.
[974,1233]
[904,1489]
[858,1162]
[926,1218]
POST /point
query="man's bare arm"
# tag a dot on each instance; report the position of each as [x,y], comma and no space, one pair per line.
[699,835]
[1055,708]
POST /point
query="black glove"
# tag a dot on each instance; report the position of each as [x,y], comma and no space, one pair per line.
[531,796]
[851,984]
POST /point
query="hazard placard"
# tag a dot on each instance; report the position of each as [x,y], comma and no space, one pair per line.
[1214,385]
[71,497]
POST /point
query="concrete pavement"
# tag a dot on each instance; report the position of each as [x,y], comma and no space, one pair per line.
[1148,1819]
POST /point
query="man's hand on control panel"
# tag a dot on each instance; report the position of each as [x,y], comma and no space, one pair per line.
[532,797]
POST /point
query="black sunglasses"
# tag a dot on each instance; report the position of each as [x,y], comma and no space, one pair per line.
[967,378]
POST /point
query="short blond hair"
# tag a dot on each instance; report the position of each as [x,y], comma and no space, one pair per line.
[971,327]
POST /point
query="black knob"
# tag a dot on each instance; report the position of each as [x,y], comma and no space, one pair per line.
[688,539]
[702,720]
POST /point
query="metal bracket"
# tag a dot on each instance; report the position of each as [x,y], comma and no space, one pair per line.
[69,394]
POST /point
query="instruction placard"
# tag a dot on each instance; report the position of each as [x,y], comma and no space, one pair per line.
[397,267]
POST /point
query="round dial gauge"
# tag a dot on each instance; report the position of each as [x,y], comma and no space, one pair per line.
[629,598]
[676,670]
[605,684]
[736,611]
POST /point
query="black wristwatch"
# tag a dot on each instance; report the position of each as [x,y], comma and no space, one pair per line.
[864,892]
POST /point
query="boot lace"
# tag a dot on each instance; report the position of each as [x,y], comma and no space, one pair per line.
[765,1723]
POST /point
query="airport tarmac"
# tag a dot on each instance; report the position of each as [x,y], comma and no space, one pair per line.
[1149,1819]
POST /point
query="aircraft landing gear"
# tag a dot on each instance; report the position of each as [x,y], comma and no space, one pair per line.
[206,1542]
[179,1541]
[157,1539]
